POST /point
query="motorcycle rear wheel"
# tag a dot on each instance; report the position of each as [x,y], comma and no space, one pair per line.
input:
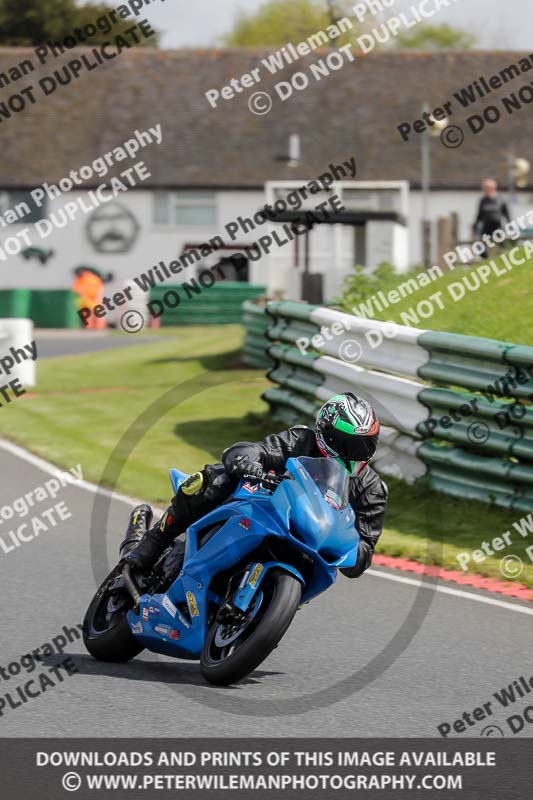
[106,635]
[279,600]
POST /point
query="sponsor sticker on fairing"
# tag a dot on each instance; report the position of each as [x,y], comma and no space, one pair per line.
[145,614]
[155,611]
[252,488]
[193,606]
[254,577]
[169,606]
[183,621]
[164,630]
[174,634]
[137,627]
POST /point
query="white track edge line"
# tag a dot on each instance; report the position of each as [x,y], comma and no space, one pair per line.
[50,469]
[437,587]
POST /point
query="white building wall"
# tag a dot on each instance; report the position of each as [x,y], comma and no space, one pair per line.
[331,246]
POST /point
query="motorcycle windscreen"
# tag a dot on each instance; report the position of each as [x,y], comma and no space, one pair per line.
[331,478]
[321,516]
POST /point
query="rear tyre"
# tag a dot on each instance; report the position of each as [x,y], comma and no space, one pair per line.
[248,646]
[106,632]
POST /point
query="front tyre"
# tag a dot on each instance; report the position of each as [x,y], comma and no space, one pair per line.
[106,632]
[232,651]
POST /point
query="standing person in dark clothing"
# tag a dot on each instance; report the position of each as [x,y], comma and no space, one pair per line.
[492,210]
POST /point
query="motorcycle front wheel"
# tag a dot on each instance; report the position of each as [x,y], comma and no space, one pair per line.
[233,649]
[106,632]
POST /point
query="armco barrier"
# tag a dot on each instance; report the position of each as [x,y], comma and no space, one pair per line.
[255,323]
[474,444]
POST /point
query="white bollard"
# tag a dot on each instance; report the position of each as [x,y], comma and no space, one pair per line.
[17,343]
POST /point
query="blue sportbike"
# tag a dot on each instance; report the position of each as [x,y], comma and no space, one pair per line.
[226,593]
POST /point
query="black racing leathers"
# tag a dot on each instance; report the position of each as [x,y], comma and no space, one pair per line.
[368,493]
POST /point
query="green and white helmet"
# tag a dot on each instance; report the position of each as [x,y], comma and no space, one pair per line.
[347,429]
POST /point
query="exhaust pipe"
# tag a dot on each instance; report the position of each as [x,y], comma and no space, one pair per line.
[131,586]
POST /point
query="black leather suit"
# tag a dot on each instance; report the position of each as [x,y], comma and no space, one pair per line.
[368,493]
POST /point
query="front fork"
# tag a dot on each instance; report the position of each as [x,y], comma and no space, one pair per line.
[252,580]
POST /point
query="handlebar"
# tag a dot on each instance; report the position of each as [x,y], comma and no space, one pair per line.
[267,479]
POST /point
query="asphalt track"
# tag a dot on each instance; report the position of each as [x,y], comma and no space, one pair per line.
[53,343]
[457,650]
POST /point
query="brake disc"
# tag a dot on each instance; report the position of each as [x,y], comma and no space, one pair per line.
[226,634]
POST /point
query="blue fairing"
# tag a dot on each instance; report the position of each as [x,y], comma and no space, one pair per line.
[176,478]
[304,518]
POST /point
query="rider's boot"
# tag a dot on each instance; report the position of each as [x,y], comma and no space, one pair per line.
[139,522]
[154,541]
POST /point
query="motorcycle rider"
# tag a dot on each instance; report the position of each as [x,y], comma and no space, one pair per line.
[347,429]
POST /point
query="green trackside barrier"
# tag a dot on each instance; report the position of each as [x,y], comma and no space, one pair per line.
[290,309]
[505,427]
[293,378]
[291,355]
[288,407]
[54,308]
[15,303]
[475,363]
[455,471]
[218,305]
[48,308]
[464,486]
[294,370]
[255,322]
[284,331]
[479,446]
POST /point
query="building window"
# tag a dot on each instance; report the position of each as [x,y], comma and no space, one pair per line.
[186,209]
[20,207]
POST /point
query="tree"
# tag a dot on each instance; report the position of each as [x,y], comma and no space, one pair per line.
[435,37]
[28,23]
[277,22]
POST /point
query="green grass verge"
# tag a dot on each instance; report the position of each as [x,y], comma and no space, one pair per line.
[500,309]
[202,400]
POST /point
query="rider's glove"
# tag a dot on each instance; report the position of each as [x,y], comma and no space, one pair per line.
[242,465]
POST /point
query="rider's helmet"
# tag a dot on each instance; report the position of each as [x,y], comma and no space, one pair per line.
[347,429]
